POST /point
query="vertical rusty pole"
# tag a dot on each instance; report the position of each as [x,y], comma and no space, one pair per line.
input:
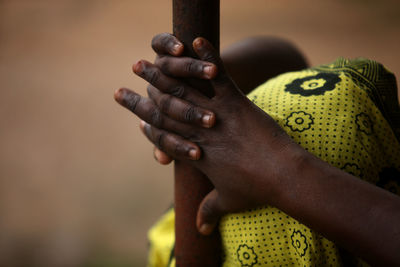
[191,19]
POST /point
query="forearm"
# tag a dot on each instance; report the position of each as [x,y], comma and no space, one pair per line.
[357,215]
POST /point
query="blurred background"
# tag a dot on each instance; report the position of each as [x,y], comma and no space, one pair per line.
[78,183]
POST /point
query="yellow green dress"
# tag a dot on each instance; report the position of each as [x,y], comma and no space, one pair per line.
[345,113]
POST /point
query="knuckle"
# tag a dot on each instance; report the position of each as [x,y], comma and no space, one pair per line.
[178,91]
[189,66]
[180,149]
[156,117]
[160,140]
[189,113]
[153,76]
[132,101]
[165,103]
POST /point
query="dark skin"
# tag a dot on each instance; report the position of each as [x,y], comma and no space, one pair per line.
[221,137]
[250,62]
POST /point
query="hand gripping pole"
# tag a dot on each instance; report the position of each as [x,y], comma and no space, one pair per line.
[191,19]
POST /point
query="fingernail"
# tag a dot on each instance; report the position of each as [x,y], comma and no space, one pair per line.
[118,95]
[208,120]
[146,127]
[207,70]
[206,229]
[138,67]
[142,124]
[193,154]
[157,154]
[176,48]
[198,42]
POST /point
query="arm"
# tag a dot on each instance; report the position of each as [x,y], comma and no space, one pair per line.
[359,216]
[277,172]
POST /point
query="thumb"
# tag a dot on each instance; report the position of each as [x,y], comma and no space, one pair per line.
[208,213]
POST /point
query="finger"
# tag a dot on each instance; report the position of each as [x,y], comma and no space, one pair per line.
[186,67]
[162,157]
[148,111]
[223,84]
[172,144]
[181,110]
[154,76]
[208,213]
[167,44]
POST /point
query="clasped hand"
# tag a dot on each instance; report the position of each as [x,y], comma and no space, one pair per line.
[239,147]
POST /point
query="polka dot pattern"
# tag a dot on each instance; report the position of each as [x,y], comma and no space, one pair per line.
[337,121]
[338,113]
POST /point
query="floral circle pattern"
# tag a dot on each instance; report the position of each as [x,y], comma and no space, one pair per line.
[299,121]
[389,179]
[353,169]
[313,85]
[299,242]
[246,255]
[364,123]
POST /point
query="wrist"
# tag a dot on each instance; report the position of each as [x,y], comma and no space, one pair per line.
[298,163]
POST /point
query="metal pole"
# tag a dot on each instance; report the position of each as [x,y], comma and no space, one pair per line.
[191,19]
